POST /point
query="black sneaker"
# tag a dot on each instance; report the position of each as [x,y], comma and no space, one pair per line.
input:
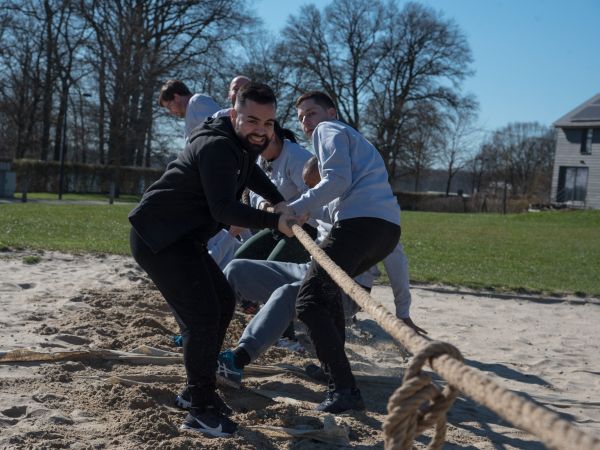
[209,421]
[342,400]
[184,401]
[219,404]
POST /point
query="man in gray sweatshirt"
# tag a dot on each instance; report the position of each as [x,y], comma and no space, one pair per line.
[275,285]
[366,228]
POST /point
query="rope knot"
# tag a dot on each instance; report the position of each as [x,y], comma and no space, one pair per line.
[418,403]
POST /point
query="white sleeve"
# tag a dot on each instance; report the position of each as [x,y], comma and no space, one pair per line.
[222,246]
[200,108]
[396,266]
[296,161]
[255,199]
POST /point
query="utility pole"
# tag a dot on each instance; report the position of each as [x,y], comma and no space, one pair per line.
[63,151]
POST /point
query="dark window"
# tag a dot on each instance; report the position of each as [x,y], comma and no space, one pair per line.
[572,184]
[586,141]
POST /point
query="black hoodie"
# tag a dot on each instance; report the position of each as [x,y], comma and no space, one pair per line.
[200,190]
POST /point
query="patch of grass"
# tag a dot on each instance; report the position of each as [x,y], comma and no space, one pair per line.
[69,228]
[77,197]
[549,252]
[32,259]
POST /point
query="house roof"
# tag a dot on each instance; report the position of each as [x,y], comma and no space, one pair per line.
[585,115]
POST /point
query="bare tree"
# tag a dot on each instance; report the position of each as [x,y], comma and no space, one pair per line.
[518,159]
[424,137]
[69,41]
[337,50]
[459,136]
[426,58]
[21,86]
[38,36]
[138,44]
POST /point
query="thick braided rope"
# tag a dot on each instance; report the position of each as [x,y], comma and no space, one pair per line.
[419,404]
[554,432]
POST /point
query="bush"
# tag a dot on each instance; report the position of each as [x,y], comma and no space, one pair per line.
[481,202]
[43,176]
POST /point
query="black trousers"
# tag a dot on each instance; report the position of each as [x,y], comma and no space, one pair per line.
[354,245]
[272,246]
[201,301]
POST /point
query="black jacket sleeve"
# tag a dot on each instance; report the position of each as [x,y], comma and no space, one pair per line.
[219,168]
[260,183]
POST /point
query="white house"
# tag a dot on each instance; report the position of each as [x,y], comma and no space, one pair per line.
[576,174]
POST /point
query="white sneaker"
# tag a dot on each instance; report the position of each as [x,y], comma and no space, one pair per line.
[291,345]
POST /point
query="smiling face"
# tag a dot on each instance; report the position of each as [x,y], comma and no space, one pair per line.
[253,123]
[311,114]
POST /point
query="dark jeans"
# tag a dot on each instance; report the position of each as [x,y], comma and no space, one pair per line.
[269,246]
[354,245]
[201,301]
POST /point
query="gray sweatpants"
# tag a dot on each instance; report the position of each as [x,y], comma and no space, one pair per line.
[272,283]
[275,285]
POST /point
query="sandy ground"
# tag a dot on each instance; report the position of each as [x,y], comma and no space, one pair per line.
[545,348]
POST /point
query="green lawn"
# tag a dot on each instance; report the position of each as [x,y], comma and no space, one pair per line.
[551,252]
[68,227]
[93,197]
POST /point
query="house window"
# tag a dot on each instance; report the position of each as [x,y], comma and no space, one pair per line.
[572,184]
[586,141]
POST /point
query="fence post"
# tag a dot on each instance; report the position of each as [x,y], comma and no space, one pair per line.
[111,194]
[24,187]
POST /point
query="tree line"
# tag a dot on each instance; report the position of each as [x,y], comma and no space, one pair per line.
[80,79]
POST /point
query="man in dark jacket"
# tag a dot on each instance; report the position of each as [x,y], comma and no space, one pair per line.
[197,195]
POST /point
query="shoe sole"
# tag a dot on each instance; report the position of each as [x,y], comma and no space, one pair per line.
[343,411]
[209,433]
[228,382]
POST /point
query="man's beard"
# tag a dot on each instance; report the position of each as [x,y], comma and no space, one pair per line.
[255,149]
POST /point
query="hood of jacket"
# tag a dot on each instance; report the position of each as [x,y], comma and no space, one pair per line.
[222,126]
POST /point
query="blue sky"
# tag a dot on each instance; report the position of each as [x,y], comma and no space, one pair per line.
[535,60]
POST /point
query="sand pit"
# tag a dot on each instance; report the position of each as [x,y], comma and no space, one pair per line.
[546,348]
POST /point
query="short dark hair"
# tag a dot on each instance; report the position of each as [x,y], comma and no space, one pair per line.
[170,88]
[284,133]
[311,168]
[320,98]
[257,92]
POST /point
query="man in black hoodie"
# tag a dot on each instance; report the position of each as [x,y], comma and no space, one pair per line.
[197,195]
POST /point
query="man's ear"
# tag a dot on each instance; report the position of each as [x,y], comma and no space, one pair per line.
[233,115]
[332,113]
